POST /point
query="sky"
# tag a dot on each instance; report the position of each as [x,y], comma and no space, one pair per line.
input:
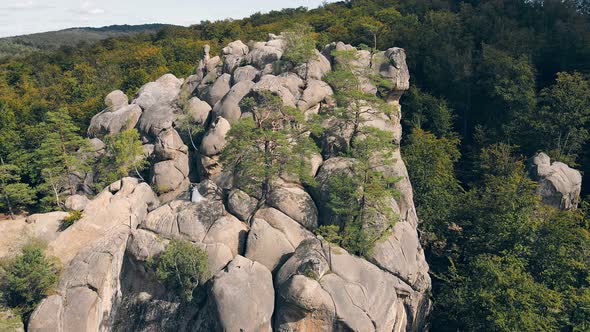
[18,17]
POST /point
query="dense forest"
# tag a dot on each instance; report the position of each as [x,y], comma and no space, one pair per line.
[493,82]
[52,40]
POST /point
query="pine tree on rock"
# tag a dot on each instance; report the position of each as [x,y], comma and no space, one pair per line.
[273,141]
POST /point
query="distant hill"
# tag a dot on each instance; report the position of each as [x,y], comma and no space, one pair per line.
[46,41]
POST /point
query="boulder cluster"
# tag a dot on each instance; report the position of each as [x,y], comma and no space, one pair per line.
[269,271]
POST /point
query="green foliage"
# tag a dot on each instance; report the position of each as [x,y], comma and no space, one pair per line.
[431,165]
[564,115]
[498,288]
[183,267]
[62,154]
[27,279]
[14,195]
[274,141]
[71,219]
[124,155]
[299,44]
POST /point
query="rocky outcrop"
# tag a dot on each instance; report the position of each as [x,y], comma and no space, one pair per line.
[268,269]
[92,251]
[559,185]
[118,116]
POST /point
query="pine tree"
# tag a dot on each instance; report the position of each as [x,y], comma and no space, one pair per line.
[273,141]
[62,154]
[124,155]
[15,195]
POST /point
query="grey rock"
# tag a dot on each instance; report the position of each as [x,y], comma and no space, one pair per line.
[76,202]
[295,202]
[314,69]
[243,296]
[214,140]
[110,122]
[267,245]
[315,92]
[229,106]
[198,110]
[163,91]
[263,55]
[559,185]
[236,48]
[219,89]
[274,84]
[116,100]
[363,296]
[246,73]
[241,204]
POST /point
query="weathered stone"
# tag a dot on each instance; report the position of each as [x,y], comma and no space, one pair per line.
[559,185]
[105,214]
[110,122]
[219,89]
[163,91]
[243,296]
[116,100]
[76,202]
[315,92]
[363,296]
[296,203]
[229,106]
[214,141]
[246,73]
[236,48]
[241,204]
[314,69]
[267,245]
[198,110]
[274,85]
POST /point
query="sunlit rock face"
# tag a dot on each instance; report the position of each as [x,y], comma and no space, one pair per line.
[268,269]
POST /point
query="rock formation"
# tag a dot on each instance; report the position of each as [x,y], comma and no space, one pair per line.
[559,185]
[269,271]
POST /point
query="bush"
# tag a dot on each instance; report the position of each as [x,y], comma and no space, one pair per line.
[182,267]
[71,219]
[27,279]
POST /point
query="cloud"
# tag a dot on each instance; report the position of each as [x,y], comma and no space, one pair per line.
[24,5]
[89,9]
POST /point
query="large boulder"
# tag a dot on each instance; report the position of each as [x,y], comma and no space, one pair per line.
[391,65]
[246,73]
[402,255]
[236,48]
[88,290]
[116,100]
[229,106]
[315,92]
[274,237]
[219,89]
[121,206]
[275,85]
[243,296]
[263,55]
[314,69]
[198,110]
[109,122]
[325,288]
[214,140]
[295,202]
[164,90]
[559,185]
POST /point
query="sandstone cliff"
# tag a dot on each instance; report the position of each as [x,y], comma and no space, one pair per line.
[273,274]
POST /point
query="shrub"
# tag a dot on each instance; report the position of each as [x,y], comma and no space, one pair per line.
[182,267]
[27,279]
[71,219]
